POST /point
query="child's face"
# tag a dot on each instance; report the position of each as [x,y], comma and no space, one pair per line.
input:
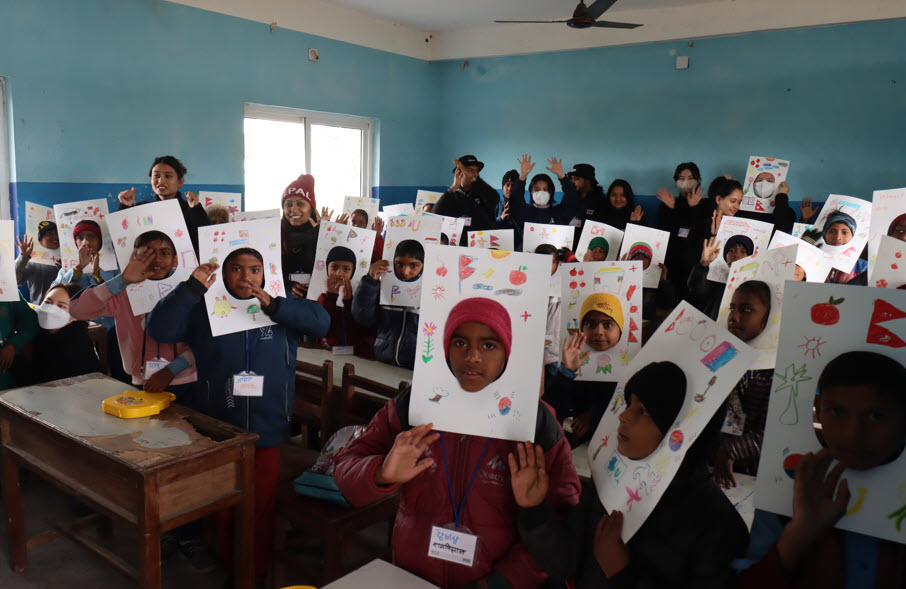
[799,273]
[599,255]
[164,181]
[861,428]
[640,257]
[219,218]
[899,230]
[358,220]
[296,211]
[618,197]
[838,234]
[737,252]
[88,239]
[600,330]
[555,263]
[748,316]
[407,268]
[51,240]
[638,435]
[163,259]
[428,207]
[729,205]
[340,269]
[242,273]
[477,356]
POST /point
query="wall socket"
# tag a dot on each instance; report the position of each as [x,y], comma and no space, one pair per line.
[682,62]
[313,55]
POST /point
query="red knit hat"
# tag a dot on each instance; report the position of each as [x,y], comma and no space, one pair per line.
[480,310]
[86,225]
[303,186]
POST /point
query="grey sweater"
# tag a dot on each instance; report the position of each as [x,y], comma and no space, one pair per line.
[38,278]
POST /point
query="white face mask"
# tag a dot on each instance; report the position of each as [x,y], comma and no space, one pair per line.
[541,198]
[686,185]
[764,189]
[51,316]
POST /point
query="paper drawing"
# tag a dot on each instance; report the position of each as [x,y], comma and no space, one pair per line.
[9,291]
[888,218]
[845,256]
[256,215]
[352,243]
[762,183]
[815,263]
[369,205]
[758,232]
[68,215]
[498,239]
[534,234]
[424,197]
[593,229]
[398,287]
[890,264]
[34,214]
[648,246]
[231,201]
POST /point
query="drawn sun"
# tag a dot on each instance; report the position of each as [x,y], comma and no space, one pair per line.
[812,346]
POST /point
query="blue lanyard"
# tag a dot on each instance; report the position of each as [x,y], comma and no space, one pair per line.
[457,513]
[247,351]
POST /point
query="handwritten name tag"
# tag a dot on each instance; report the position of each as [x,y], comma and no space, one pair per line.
[452,545]
[248,384]
[155,365]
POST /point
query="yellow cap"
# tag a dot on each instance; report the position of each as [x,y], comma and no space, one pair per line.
[606,303]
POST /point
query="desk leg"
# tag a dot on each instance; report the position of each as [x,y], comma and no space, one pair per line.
[149,537]
[244,523]
[12,500]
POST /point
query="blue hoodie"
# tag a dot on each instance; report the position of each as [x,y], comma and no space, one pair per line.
[181,316]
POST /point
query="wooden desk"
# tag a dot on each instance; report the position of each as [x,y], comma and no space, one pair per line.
[153,473]
[370,369]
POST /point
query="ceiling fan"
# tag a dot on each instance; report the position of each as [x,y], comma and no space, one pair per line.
[585,17]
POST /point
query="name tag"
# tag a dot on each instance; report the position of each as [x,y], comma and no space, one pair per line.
[155,365]
[576,222]
[248,384]
[342,350]
[452,545]
[300,278]
[683,232]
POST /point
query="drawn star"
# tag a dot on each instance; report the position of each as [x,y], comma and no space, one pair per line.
[791,378]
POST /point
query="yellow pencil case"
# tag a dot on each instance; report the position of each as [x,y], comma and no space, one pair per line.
[133,404]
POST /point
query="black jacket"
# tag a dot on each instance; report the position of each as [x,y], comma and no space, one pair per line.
[397,327]
[478,204]
[64,354]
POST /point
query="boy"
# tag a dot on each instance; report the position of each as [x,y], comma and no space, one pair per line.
[863,423]
[397,327]
[38,277]
[392,456]
[601,321]
[597,250]
[344,330]
[269,351]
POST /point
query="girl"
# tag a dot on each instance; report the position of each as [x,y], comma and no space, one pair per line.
[706,294]
[299,231]
[344,330]
[839,229]
[541,188]
[678,215]
[726,194]
[620,207]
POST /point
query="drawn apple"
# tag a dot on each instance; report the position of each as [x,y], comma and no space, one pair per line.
[518,277]
[442,271]
[827,313]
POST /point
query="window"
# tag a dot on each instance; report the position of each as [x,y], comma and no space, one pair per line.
[4,156]
[282,143]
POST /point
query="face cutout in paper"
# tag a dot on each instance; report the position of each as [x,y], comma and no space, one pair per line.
[754,237]
[497,239]
[349,250]
[425,197]
[68,216]
[845,256]
[712,361]
[452,227]
[486,302]
[888,217]
[607,241]
[231,201]
[535,234]
[35,214]
[164,218]
[404,249]
[369,205]
[257,215]
[9,291]
[603,300]
[758,307]
[648,246]
[227,312]
[890,265]
[814,264]
[762,183]
[399,210]
[822,322]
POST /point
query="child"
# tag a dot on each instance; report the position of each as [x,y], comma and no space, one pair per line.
[726,195]
[218,214]
[167,175]
[88,239]
[601,321]
[552,329]
[839,229]
[620,207]
[393,456]
[37,277]
[397,327]
[344,330]
[706,294]
[678,215]
[658,302]
[542,191]
[598,249]
[747,405]
[897,228]
[688,540]
[359,218]
[863,423]
[270,352]
[18,327]
[299,232]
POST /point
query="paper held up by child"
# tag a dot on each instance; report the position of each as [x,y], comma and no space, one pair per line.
[858,212]
[822,322]
[603,300]
[605,237]
[371,206]
[497,239]
[166,220]
[226,312]
[648,246]
[231,201]
[34,214]
[534,234]
[452,227]
[890,264]
[755,236]
[888,218]
[68,216]
[256,215]
[762,183]
[405,208]
[404,245]
[712,361]
[494,302]
[9,291]
[425,197]
[343,251]
[815,263]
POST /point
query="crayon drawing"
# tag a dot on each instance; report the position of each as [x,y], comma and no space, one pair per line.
[34,214]
[648,246]
[406,239]
[534,234]
[762,183]
[68,215]
[352,243]
[231,201]
[498,239]
[845,256]
[594,229]
[758,232]
[369,205]
[888,218]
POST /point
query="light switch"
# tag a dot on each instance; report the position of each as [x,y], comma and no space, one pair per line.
[682,62]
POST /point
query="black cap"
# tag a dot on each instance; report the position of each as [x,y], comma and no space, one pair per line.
[661,387]
[739,239]
[45,227]
[470,160]
[510,176]
[586,171]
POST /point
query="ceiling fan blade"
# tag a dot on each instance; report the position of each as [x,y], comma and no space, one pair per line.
[599,7]
[531,21]
[615,25]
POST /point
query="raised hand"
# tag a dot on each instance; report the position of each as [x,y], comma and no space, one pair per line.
[139,265]
[637,213]
[378,269]
[710,251]
[26,246]
[716,218]
[783,188]
[378,225]
[572,356]
[610,552]
[504,215]
[525,166]
[127,197]
[457,176]
[695,196]
[406,459]
[528,477]
[192,198]
[159,381]
[343,219]
[666,197]
[555,166]
[85,258]
[808,211]
[326,214]
[204,274]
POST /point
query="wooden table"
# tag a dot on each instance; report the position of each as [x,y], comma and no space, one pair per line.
[153,473]
[370,369]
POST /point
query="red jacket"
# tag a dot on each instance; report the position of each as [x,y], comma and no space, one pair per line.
[344,329]
[490,511]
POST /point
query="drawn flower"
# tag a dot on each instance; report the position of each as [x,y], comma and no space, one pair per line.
[429,329]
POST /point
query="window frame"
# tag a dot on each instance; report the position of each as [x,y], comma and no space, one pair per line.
[6,162]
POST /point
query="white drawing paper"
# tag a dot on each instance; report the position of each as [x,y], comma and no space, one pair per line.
[331,235]
[34,214]
[517,282]
[452,227]
[713,361]
[68,215]
[369,205]
[821,322]
[815,263]
[890,266]
[800,228]
[888,208]
[845,256]
[426,231]
[762,168]
[535,234]
[129,224]
[496,239]
[9,291]
[423,197]
[592,229]
[758,231]
[226,313]
[256,215]
[773,267]
[231,201]
[397,210]
[656,242]
[623,280]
